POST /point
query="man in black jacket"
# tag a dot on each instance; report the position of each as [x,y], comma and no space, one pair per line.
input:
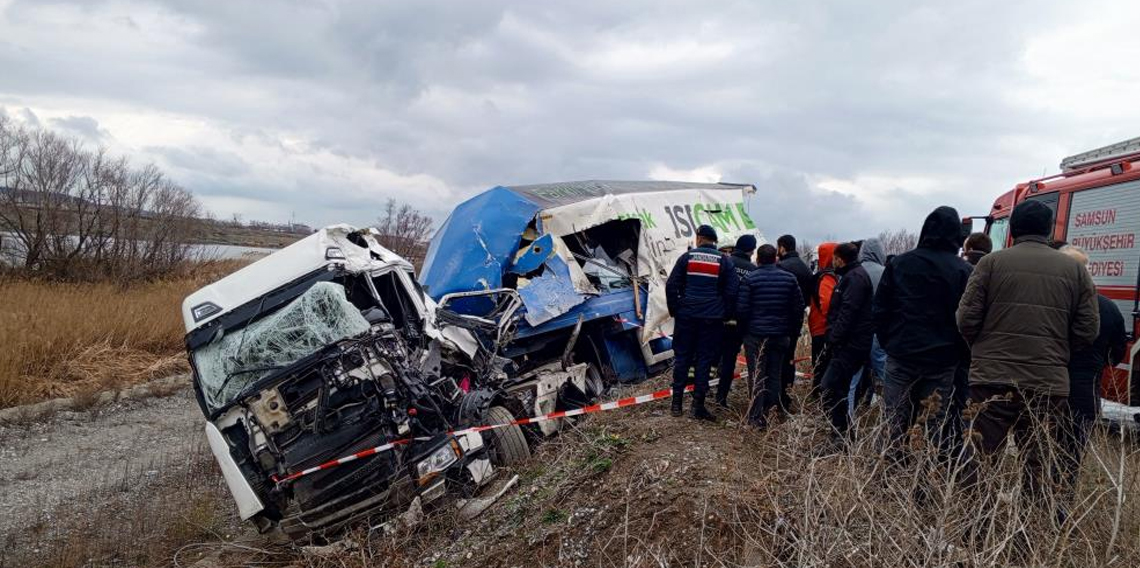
[790,261]
[741,258]
[849,333]
[699,293]
[1085,368]
[914,318]
[769,306]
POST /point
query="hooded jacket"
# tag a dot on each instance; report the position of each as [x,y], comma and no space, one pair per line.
[702,285]
[770,303]
[919,293]
[849,324]
[874,260]
[822,286]
[1023,308]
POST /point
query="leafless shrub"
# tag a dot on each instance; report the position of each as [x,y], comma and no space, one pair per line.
[404,230]
[70,213]
[898,242]
[807,251]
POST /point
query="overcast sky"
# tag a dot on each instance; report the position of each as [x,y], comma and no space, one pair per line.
[849,118]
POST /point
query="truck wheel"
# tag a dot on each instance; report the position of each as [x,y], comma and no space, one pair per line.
[595,385]
[505,446]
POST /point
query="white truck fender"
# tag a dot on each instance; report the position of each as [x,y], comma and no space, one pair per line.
[247,501]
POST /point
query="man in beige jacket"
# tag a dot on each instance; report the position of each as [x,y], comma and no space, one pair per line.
[1023,309]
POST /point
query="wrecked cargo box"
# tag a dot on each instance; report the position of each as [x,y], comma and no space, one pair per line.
[328,348]
[586,261]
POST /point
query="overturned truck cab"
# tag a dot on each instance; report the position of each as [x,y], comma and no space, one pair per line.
[586,262]
[327,349]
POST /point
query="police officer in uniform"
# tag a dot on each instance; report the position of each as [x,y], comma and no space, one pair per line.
[700,293]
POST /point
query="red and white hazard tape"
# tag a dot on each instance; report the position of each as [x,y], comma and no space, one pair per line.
[602,407]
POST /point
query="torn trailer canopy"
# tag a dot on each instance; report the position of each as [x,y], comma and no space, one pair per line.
[565,246]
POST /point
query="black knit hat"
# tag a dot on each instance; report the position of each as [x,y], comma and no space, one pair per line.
[707,232]
[1031,218]
[746,243]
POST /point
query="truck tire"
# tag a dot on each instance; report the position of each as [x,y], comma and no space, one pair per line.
[595,385]
[505,446]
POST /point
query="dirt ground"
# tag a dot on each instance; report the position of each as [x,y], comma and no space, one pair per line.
[133,485]
[102,485]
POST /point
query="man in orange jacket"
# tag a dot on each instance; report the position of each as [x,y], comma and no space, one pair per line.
[819,303]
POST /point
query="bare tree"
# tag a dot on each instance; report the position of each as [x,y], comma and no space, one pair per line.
[807,251]
[78,214]
[898,242]
[404,230]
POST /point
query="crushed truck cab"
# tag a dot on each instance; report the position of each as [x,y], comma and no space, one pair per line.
[586,262]
[327,348]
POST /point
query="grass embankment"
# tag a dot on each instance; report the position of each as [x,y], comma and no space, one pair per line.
[74,339]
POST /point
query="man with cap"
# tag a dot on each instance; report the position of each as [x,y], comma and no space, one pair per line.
[1024,309]
[700,294]
[741,258]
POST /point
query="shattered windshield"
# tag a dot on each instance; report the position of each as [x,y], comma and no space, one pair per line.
[319,317]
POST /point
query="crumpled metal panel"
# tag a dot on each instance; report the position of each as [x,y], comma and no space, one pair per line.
[551,294]
[476,242]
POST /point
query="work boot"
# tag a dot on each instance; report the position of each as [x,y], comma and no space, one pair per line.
[722,403]
[700,412]
[676,406]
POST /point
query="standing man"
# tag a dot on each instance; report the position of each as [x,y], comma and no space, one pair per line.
[1085,368]
[770,306]
[849,331]
[1023,308]
[791,262]
[873,258]
[976,246]
[699,293]
[823,286]
[741,258]
[914,314]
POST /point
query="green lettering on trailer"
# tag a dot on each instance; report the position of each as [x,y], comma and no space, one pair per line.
[748,224]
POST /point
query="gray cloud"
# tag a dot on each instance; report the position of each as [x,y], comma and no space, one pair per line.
[84,127]
[850,118]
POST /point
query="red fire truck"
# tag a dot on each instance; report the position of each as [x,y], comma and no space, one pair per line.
[1096,203]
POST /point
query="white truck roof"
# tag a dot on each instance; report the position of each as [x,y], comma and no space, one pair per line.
[294,261]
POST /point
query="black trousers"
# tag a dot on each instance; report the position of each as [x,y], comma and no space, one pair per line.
[820,357]
[730,351]
[1084,400]
[836,384]
[788,372]
[765,356]
[696,347]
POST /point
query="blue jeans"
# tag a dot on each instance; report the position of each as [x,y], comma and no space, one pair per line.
[878,364]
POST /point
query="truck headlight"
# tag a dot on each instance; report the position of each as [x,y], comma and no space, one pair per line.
[437,462]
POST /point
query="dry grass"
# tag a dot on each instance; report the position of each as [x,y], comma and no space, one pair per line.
[67,339]
[639,488]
